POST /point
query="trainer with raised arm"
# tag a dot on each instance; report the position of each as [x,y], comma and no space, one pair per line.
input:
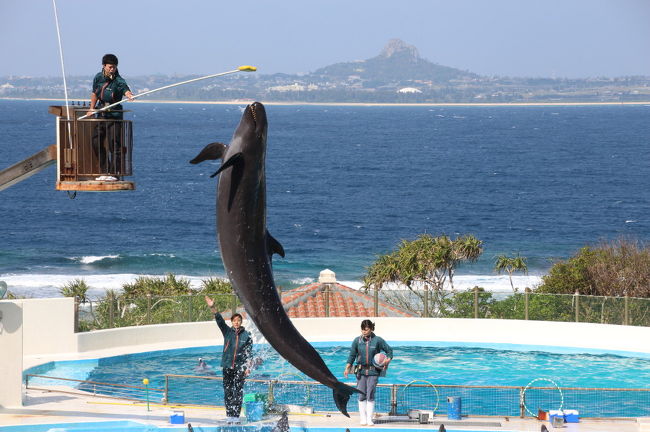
[237,350]
[371,363]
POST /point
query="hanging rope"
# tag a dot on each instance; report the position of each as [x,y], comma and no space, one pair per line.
[65,84]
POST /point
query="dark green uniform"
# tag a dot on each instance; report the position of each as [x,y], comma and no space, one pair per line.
[109,91]
[107,135]
[237,349]
[363,350]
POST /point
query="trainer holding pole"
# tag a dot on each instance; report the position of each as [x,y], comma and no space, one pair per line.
[133,97]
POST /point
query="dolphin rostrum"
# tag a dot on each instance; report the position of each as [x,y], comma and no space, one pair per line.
[246,246]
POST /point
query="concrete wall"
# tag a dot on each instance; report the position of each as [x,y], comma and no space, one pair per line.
[11,353]
[48,333]
[49,326]
[472,331]
[177,335]
[484,331]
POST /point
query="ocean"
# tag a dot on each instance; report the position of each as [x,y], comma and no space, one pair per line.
[344,184]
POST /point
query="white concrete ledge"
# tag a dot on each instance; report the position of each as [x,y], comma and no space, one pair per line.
[49,334]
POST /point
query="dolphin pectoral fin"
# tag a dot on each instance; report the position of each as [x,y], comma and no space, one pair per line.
[342,394]
[273,245]
[212,151]
[230,162]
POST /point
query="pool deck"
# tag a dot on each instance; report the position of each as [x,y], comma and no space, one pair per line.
[43,407]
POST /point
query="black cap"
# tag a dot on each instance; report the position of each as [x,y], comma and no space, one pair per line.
[109,59]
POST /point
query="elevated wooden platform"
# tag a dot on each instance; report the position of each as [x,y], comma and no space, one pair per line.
[95,186]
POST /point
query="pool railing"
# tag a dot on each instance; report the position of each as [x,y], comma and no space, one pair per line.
[391,399]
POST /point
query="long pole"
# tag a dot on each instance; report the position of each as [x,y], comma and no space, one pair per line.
[239,69]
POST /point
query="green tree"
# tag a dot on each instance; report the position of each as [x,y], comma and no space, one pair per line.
[510,265]
[153,300]
[422,265]
[616,268]
[464,248]
[78,289]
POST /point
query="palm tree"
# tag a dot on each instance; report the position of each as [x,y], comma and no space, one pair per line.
[464,248]
[510,265]
[422,264]
[78,289]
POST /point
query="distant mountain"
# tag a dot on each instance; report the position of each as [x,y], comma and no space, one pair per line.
[397,62]
[397,75]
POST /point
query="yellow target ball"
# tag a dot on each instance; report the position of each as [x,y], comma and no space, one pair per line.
[145,381]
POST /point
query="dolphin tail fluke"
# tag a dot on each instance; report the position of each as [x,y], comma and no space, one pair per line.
[342,394]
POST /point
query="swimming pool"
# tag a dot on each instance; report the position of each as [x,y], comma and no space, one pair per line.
[130,426]
[438,363]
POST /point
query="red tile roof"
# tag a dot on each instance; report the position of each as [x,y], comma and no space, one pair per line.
[310,301]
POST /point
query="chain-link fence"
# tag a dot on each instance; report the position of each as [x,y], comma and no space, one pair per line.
[119,311]
[393,399]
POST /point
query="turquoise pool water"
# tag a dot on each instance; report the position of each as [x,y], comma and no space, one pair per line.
[440,363]
[437,363]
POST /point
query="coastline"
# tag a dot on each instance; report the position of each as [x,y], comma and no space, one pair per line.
[363,104]
[44,285]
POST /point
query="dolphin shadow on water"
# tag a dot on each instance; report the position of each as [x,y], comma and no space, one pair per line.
[246,246]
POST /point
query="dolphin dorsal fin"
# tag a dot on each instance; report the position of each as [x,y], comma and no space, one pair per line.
[273,246]
[212,151]
[230,162]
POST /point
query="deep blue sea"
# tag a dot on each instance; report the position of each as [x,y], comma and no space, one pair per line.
[344,184]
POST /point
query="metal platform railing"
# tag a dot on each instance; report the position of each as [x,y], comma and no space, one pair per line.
[96,147]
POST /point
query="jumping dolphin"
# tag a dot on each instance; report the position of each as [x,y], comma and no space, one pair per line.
[246,246]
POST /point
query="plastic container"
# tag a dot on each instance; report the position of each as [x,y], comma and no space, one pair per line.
[571,416]
[254,411]
[177,417]
[454,408]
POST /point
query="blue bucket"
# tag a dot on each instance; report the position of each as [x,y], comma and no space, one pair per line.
[254,411]
[454,407]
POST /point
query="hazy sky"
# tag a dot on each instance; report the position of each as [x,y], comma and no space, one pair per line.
[558,38]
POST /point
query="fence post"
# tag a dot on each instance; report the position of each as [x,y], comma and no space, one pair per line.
[522,407]
[76,314]
[626,316]
[526,293]
[327,299]
[376,302]
[148,308]
[475,302]
[111,306]
[166,395]
[270,395]
[426,302]
[393,400]
[577,297]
